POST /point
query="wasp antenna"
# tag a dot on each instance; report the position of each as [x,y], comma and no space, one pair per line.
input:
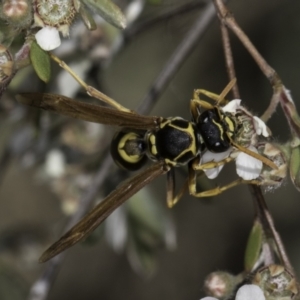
[263,159]
[226,90]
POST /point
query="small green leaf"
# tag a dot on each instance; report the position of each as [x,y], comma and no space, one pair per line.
[108,11]
[40,60]
[254,246]
[87,18]
[295,167]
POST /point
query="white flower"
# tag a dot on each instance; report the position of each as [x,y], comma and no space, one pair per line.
[245,292]
[216,157]
[247,167]
[232,106]
[250,292]
[48,38]
[260,127]
[133,10]
[55,163]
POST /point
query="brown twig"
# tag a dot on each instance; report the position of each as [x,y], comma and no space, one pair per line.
[227,19]
[262,212]
[267,221]
[229,59]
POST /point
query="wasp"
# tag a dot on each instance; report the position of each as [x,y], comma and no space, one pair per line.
[168,142]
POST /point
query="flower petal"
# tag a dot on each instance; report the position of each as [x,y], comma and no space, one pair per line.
[216,157]
[232,106]
[250,292]
[260,127]
[248,167]
[48,38]
[55,164]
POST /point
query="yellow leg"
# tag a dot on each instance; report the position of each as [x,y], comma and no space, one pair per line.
[172,199]
[89,89]
[219,99]
[220,189]
[216,191]
[208,94]
[210,165]
[196,105]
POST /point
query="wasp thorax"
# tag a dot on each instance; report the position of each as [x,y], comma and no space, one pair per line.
[55,13]
[175,141]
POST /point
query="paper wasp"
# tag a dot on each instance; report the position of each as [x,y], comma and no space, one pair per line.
[168,142]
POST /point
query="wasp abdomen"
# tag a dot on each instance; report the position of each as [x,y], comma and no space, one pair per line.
[128,150]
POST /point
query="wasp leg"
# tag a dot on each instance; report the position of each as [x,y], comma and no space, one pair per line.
[172,199]
[196,101]
[211,164]
[216,191]
[89,89]
[195,106]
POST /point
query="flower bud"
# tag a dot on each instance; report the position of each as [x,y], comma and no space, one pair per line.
[17,13]
[276,282]
[55,13]
[220,284]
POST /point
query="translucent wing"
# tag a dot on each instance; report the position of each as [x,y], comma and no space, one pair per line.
[98,214]
[88,112]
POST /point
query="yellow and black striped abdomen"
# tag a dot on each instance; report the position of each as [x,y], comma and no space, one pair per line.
[128,150]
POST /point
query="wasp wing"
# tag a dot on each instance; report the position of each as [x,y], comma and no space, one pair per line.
[100,212]
[88,112]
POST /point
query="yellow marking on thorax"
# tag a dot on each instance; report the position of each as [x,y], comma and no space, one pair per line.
[193,145]
[153,149]
[231,125]
[220,128]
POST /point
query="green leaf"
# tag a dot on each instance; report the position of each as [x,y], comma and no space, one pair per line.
[108,11]
[87,18]
[254,246]
[40,60]
[295,167]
